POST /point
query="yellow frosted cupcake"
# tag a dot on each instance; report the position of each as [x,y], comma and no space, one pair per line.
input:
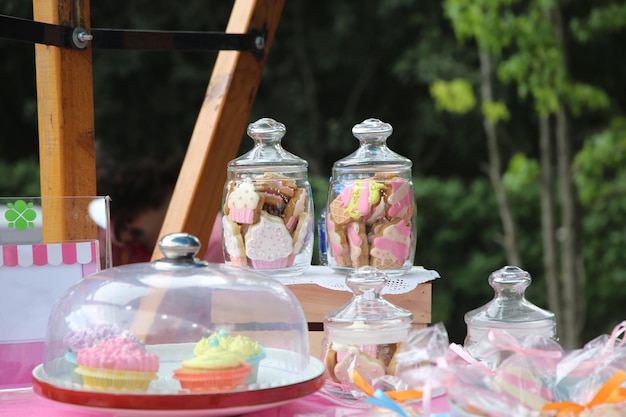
[214,369]
[251,351]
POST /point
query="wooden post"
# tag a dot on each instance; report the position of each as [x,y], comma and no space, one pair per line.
[66,124]
[220,125]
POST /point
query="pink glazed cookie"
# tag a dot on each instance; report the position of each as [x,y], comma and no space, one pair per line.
[391,245]
[400,199]
[357,243]
[356,200]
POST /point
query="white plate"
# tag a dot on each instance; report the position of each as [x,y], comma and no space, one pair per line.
[275,387]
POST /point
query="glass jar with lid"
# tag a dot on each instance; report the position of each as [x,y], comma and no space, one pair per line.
[179,334]
[509,311]
[370,210]
[268,218]
[365,334]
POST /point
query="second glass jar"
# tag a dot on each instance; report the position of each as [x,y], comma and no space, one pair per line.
[267,221]
[370,217]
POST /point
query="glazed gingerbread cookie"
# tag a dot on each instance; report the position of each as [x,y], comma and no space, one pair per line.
[378,213]
[300,235]
[338,243]
[400,199]
[296,206]
[277,191]
[233,242]
[357,244]
[370,368]
[391,245]
[268,243]
[244,203]
[355,201]
[330,361]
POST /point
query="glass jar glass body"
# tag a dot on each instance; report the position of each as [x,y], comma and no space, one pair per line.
[371,213]
[268,218]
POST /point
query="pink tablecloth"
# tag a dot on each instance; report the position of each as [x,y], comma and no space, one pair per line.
[25,403]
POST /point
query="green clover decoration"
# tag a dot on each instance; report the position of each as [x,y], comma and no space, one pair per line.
[20,215]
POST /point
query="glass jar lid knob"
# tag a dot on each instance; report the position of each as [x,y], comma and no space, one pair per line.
[366,281]
[372,128]
[267,130]
[180,250]
[510,279]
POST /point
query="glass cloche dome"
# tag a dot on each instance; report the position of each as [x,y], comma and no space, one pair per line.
[175,326]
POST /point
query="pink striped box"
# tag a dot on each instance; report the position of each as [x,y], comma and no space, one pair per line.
[32,279]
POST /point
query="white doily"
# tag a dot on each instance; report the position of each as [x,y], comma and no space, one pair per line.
[326,277]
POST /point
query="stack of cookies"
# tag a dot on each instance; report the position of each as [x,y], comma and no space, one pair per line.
[370,222]
[267,221]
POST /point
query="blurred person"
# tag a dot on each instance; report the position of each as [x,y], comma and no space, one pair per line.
[140,193]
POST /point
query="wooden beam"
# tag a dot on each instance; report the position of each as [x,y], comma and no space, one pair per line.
[66,124]
[220,126]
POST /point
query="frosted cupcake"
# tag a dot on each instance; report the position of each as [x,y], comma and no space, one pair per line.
[82,338]
[117,364]
[250,350]
[215,369]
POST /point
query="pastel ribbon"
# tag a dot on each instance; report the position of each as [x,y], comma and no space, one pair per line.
[618,331]
[386,399]
[465,355]
[401,396]
[609,393]
[505,341]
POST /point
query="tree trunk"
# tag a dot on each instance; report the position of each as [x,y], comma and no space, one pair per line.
[572,264]
[548,222]
[571,280]
[495,169]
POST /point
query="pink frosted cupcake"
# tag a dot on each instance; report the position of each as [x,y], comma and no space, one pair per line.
[268,243]
[117,364]
[82,338]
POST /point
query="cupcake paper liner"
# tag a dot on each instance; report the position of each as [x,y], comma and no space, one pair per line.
[115,380]
[202,380]
[254,361]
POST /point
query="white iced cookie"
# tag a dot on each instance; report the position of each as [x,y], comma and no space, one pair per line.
[268,242]
[233,242]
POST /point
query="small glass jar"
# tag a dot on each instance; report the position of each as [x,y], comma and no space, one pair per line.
[371,214]
[509,311]
[268,218]
[365,334]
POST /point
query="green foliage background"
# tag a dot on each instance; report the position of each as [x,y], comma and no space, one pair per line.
[336,63]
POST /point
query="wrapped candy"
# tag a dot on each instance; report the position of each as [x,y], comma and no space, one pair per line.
[592,381]
[423,364]
[538,379]
[521,382]
[534,378]
[473,393]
